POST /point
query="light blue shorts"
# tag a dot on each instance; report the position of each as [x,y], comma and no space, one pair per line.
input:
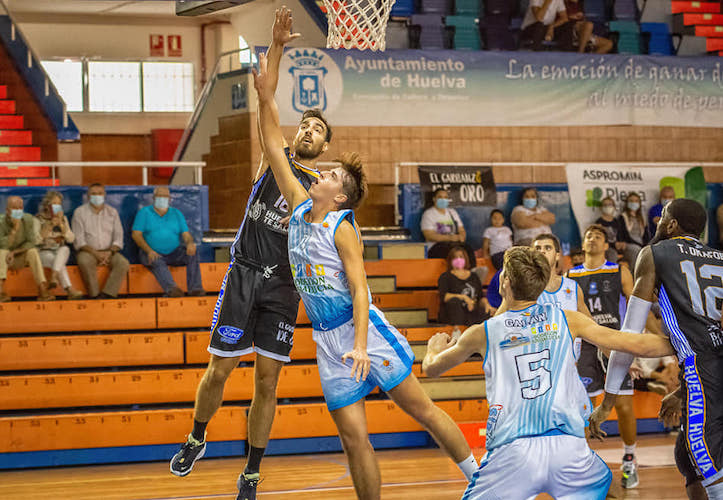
[389,352]
[561,465]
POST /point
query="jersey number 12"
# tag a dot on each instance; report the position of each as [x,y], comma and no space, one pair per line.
[711,293]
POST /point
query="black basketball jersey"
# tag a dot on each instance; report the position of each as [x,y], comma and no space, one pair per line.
[262,238]
[602,288]
[690,291]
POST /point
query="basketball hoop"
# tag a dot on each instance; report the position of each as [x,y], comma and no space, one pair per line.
[357,24]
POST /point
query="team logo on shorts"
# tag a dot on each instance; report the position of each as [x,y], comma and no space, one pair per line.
[586,381]
[387,365]
[514,340]
[494,415]
[230,334]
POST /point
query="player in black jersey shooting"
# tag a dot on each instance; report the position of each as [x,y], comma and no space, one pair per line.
[685,276]
[258,304]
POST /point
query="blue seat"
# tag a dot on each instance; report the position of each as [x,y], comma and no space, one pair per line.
[660,43]
[402,8]
[442,7]
[430,31]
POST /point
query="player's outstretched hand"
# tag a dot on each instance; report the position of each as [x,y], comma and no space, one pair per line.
[361,363]
[599,415]
[670,409]
[262,82]
[281,32]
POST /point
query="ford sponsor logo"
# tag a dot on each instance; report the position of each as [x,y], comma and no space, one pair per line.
[230,334]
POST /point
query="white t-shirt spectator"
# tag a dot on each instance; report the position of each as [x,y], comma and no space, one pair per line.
[523,235]
[500,238]
[550,14]
[447,222]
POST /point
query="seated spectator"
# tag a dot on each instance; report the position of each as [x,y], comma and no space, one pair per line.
[583,36]
[667,194]
[530,219]
[496,238]
[55,235]
[634,233]
[460,291]
[442,225]
[613,226]
[577,257]
[160,231]
[547,20]
[99,240]
[18,247]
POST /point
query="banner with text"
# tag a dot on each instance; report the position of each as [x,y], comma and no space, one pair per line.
[589,184]
[466,185]
[481,88]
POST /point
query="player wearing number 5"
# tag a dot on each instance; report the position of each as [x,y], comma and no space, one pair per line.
[538,405]
[357,349]
[606,286]
[687,275]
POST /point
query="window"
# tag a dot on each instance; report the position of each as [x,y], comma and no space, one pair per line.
[114,86]
[67,76]
[167,86]
[245,55]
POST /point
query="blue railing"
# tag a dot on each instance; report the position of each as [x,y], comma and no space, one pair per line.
[29,68]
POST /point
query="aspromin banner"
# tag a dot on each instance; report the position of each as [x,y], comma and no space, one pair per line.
[483,88]
[467,186]
[590,183]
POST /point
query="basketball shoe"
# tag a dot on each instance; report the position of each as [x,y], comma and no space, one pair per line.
[630,472]
[182,462]
[246,485]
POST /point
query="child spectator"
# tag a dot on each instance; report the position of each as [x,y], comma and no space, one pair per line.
[460,291]
[496,238]
[55,235]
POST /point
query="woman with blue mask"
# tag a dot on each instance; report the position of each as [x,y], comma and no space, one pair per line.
[443,226]
[55,236]
[635,232]
[529,219]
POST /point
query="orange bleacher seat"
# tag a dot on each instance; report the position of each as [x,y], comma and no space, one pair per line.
[196,344]
[91,351]
[78,315]
[141,281]
[20,283]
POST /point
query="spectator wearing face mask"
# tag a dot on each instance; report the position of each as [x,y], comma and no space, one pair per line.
[530,219]
[667,194]
[634,230]
[99,240]
[18,240]
[460,291]
[442,225]
[55,235]
[161,232]
[613,227]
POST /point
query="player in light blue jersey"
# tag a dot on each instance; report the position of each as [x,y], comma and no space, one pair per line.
[538,405]
[357,349]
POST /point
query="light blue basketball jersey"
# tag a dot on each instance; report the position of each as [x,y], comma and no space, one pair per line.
[533,387]
[564,297]
[317,269]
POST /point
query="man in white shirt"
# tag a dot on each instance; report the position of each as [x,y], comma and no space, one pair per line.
[547,20]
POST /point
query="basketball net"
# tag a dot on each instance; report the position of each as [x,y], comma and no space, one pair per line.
[357,24]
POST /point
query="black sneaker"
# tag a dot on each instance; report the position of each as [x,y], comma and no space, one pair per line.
[246,485]
[182,462]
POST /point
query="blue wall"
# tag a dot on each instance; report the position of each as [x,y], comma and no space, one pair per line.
[192,201]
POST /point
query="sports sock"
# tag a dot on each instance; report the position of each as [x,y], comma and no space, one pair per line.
[629,449]
[715,491]
[199,430]
[254,461]
[468,466]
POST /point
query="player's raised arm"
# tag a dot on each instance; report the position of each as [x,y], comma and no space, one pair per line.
[443,353]
[272,141]
[645,345]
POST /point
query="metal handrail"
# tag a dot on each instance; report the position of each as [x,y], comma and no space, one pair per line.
[196,165]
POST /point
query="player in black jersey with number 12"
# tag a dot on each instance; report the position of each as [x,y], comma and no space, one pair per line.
[258,304]
[688,277]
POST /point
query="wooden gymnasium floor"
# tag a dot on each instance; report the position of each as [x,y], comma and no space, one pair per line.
[418,474]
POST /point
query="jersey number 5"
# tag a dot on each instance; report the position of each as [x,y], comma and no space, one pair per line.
[534,377]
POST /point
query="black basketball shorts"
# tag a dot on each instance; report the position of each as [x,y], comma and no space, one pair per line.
[592,367]
[699,449]
[255,311]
